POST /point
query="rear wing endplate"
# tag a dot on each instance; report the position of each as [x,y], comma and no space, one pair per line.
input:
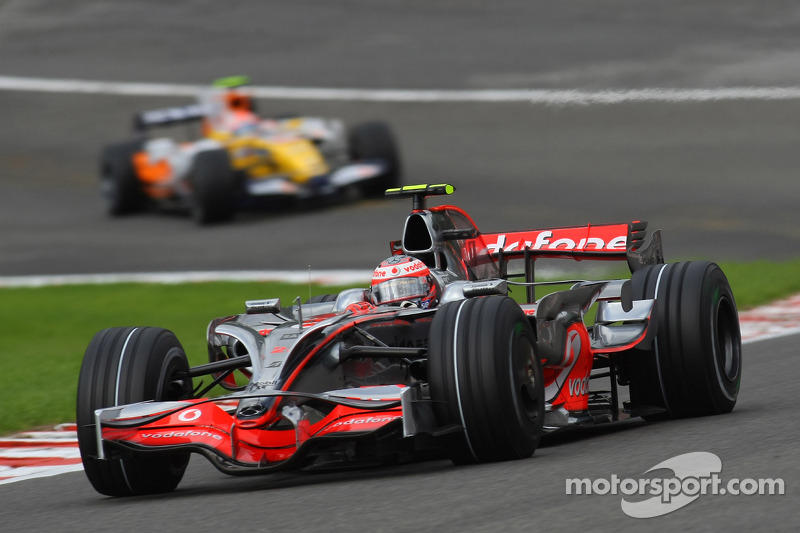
[168,116]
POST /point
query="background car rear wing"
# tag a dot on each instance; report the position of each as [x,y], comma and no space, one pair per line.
[168,116]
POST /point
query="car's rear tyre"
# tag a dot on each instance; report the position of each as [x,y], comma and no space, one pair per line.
[485,377]
[213,182]
[127,365]
[694,365]
[374,140]
[119,183]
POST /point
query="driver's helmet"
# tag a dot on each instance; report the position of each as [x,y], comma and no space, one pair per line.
[402,278]
[238,100]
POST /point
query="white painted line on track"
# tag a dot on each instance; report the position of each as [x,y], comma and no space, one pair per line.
[321,277]
[558,97]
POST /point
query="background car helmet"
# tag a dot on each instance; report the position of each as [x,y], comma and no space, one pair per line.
[402,278]
[238,101]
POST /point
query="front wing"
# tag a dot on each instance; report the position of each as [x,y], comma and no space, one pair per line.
[209,426]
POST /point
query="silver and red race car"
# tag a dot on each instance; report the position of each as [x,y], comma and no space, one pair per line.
[433,359]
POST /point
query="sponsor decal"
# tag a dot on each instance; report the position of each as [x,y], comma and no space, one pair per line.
[414,267]
[181,433]
[264,384]
[578,387]
[572,348]
[189,415]
[399,265]
[366,420]
[544,241]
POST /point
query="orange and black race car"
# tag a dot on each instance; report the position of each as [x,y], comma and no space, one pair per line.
[240,159]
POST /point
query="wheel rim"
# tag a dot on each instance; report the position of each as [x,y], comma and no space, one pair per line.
[727,348]
[526,382]
[173,386]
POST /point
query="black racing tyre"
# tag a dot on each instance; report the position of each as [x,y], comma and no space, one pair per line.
[374,140]
[694,366]
[213,183]
[485,376]
[119,183]
[127,365]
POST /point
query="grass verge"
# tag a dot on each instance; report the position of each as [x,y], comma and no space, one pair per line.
[45,331]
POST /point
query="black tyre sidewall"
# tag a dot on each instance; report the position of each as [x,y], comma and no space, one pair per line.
[122,189]
[442,377]
[121,366]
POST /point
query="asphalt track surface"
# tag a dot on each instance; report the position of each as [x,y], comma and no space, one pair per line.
[719,177]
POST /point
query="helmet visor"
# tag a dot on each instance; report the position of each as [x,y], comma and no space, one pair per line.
[395,290]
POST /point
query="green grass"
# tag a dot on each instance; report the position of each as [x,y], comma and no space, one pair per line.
[760,282]
[45,331]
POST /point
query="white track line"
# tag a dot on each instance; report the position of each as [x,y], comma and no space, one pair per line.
[322,277]
[534,96]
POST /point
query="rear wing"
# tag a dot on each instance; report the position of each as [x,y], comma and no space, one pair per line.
[609,242]
[169,116]
[446,237]
[593,241]
[598,241]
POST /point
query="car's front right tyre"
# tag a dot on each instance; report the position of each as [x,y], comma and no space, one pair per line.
[127,365]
